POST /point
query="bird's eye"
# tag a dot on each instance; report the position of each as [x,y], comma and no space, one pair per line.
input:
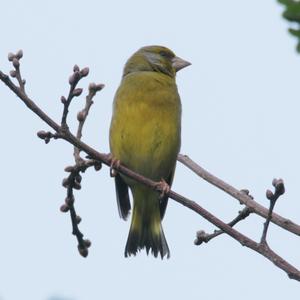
[164,54]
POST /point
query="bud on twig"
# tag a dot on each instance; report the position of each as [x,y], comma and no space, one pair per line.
[279,188]
[201,236]
[93,87]
[83,251]
[19,54]
[76,68]
[97,166]
[78,178]
[13,73]
[84,72]
[80,116]
[87,243]
[69,169]
[77,92]
[65,182]
[76,185]
[64,208]
[274,182]
[269,194]
[74,78]
[42,134]
[11,56]
[63,99]
[16,63]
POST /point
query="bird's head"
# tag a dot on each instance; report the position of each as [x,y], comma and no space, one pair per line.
[156,59]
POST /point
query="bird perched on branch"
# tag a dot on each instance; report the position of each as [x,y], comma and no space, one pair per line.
[145,137]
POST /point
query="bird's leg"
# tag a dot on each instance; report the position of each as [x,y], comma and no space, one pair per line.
[163,187]
[115,163]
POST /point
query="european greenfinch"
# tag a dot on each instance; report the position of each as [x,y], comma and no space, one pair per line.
[145,137]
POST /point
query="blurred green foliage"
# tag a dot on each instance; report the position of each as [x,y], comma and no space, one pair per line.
[292,14]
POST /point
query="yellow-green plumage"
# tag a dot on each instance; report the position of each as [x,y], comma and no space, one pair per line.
[145,137]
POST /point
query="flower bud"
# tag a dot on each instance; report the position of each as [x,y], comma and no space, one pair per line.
[98,166]
[84,72]
[87,243]
[73,79]
[42,134]
[16,62]
[63,99]
[78,219]
[65,182]
[11,56]
[96,87]
[77,92]
[76,185]
[64,208]
[13,73]
[19,54]
[280,189]
[269,194]
[75,68]
[78,178]
[274,182]
[69,169]
[80,116]
[83,251]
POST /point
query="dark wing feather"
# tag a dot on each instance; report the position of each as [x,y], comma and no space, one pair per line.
[122,197]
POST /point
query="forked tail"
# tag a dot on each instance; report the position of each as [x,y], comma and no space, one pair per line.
[146,230]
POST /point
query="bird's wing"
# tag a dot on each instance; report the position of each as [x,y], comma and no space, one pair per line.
[164,201]
[122,197]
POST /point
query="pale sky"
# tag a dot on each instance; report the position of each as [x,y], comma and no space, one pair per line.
[241,106]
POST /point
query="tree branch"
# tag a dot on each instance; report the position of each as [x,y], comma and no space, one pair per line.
[64,133]
[239,195]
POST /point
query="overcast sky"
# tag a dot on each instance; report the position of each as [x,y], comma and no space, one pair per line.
[241,121]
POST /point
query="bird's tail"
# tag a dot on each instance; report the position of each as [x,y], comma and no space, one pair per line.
[146,230]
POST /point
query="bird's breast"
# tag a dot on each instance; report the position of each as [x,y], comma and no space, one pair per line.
[146,125]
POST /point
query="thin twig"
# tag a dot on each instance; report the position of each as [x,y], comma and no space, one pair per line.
[82,115]
[239,195]
[73,181]
[47,136]
[73,92]
[264,250]
[202,236]
[279,191]
[15,59]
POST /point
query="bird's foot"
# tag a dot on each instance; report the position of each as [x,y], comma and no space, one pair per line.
[163,187]
[115,164]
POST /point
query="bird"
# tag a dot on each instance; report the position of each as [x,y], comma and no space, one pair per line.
[145,136]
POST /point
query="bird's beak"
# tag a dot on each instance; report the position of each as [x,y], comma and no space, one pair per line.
[179,63]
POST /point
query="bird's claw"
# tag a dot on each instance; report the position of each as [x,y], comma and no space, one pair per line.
[115,164]
[163,187]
